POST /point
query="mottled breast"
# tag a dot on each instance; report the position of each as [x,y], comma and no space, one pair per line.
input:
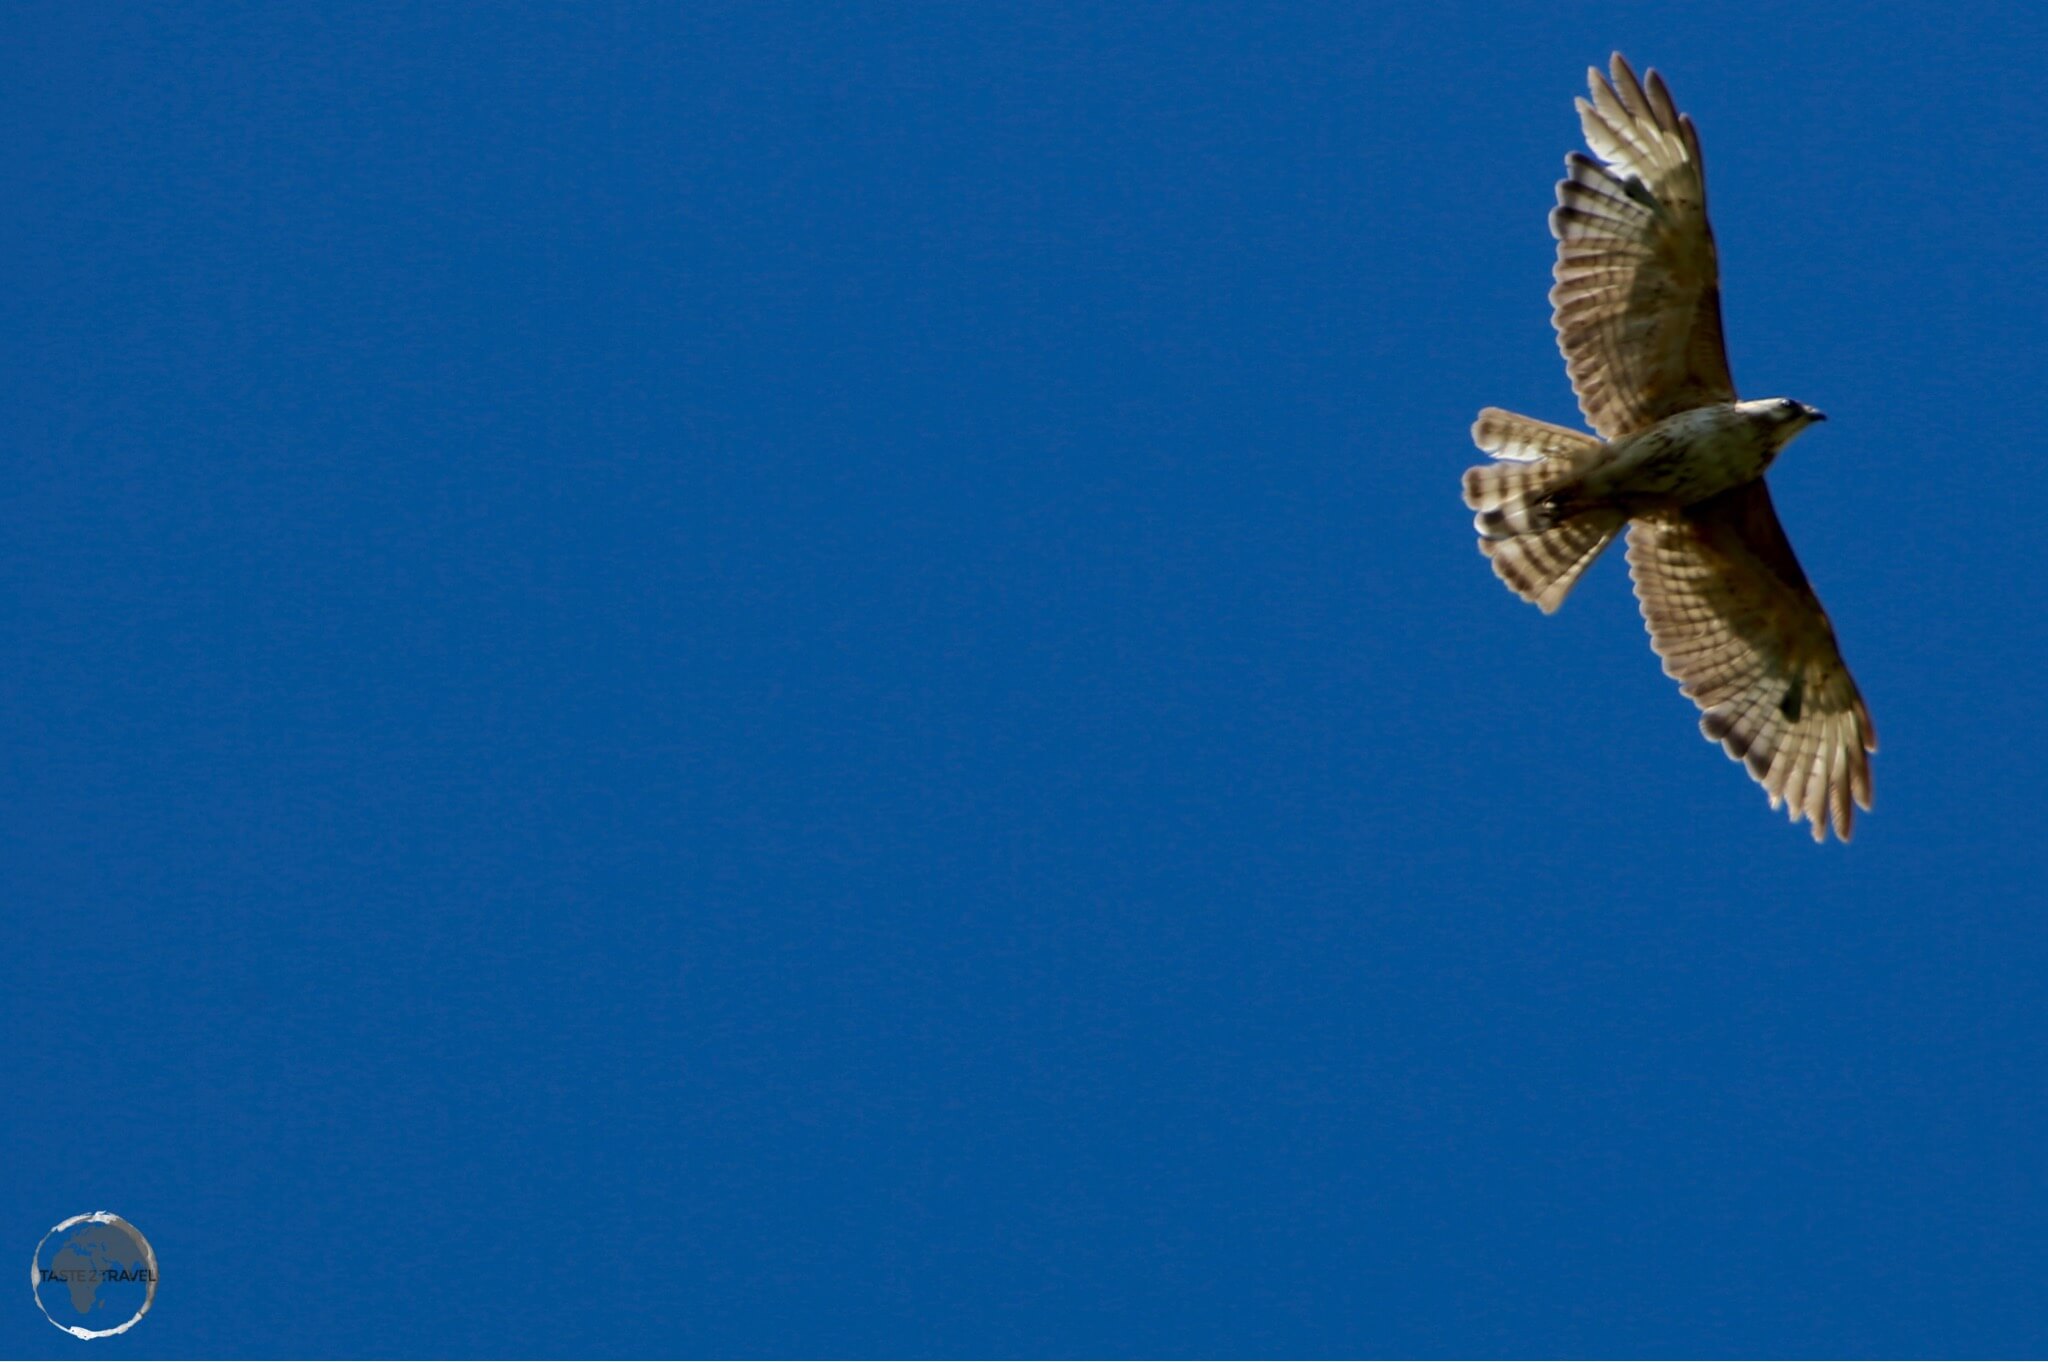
[1689,457]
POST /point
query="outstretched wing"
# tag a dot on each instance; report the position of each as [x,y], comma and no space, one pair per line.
[1638,294]
[1739,628]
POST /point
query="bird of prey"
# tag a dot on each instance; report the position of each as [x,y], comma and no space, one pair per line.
[1680,461]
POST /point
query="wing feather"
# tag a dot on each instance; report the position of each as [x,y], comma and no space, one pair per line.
[1637,302]
[1738,626]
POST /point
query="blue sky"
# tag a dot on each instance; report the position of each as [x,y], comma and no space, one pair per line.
[787,680]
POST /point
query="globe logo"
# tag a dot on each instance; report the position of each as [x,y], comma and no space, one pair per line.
[94,1275]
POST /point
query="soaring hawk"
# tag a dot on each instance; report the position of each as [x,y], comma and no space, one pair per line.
[1680,462]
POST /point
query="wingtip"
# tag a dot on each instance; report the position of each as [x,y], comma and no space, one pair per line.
[1620,74]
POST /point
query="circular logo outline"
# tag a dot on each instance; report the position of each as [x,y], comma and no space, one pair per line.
[35,1273]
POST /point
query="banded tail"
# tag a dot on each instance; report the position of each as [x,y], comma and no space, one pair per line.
[1539,543]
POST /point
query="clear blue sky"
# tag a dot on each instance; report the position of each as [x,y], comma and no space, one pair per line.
[747,680]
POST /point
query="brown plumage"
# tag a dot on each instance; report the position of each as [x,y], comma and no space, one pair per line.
[1680,462]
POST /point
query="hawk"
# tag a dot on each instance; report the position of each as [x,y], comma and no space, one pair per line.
[1679,461]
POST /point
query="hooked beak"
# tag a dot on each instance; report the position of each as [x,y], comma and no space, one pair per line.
[1813,415]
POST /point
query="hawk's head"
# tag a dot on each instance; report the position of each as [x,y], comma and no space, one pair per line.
[1783,416]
